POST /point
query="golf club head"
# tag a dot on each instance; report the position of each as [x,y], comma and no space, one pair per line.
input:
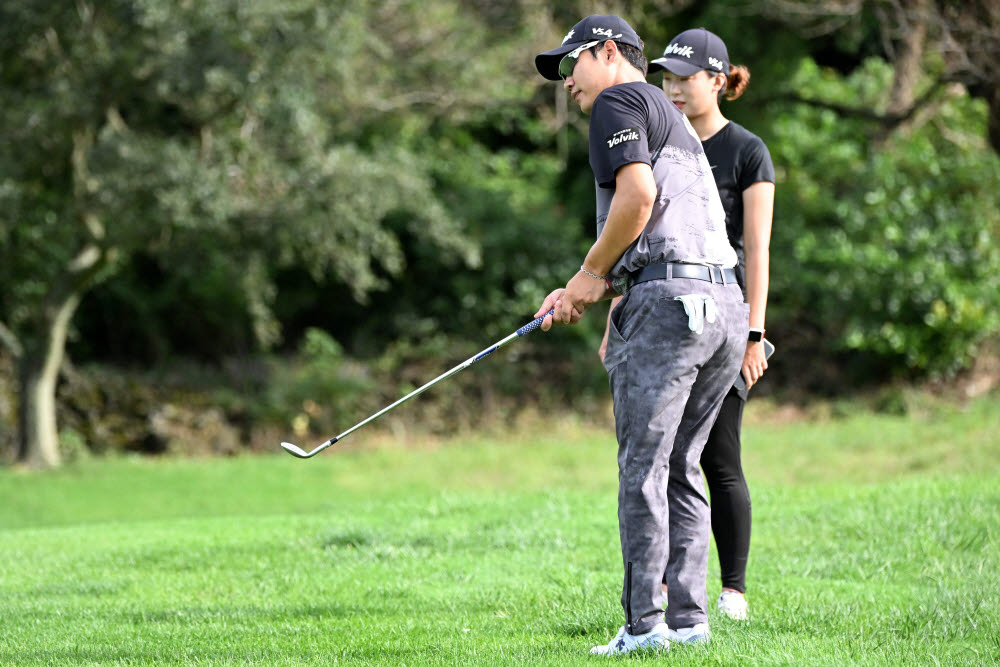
[294,450]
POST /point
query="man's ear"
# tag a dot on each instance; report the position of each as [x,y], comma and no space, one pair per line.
[609,50]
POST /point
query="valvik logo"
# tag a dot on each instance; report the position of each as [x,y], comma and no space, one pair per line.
[621,136]
[683,51]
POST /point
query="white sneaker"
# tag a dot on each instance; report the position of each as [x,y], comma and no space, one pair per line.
[733,605]
[654,640]
[696,634]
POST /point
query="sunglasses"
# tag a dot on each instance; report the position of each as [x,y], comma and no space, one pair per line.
[568,63]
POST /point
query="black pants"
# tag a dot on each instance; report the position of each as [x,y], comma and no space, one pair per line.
[727,487]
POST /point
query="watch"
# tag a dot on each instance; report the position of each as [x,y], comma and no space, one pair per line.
[756,335]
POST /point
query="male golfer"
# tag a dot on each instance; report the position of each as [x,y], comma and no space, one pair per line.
[676,338]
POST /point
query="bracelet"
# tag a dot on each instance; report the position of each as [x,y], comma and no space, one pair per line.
[593,275]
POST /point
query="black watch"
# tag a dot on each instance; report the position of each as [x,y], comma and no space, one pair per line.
[756,335]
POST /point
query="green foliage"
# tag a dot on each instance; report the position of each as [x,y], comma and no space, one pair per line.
[203,125]
[888,246]
[397,172]
[530,242]
[321,389]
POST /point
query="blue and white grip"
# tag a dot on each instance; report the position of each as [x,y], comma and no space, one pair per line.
[527,328]
[534,324]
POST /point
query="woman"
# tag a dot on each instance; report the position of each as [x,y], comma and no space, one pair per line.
[696,75]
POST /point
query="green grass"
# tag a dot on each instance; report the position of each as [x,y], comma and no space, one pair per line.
[876,541]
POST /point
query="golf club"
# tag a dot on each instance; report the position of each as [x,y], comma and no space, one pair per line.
[295,450]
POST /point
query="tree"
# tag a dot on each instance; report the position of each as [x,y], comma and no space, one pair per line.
[929,43]
[211,126]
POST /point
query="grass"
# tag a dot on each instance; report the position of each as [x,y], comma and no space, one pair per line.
[876,541]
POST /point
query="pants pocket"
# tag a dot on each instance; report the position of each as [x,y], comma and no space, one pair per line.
[617,349]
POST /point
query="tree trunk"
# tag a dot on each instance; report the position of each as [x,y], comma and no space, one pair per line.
[44,349]
[39,372]
[909,58]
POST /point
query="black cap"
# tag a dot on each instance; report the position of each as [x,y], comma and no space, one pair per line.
[594,28]
[692,51]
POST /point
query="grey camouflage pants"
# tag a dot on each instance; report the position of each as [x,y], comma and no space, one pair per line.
[667,383]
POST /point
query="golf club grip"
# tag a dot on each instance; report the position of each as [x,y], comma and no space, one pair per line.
[534,324]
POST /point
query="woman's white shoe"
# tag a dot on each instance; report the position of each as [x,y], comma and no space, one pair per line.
[733,605]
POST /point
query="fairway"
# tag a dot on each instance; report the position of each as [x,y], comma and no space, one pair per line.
[868,549]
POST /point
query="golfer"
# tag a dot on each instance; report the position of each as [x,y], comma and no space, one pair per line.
[677,335]
[697,74]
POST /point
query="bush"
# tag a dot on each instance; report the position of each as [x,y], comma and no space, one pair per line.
[887,247]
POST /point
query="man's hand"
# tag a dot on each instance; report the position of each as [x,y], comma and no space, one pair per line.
[552,302]
[754,363]
[582,291]
[570,302]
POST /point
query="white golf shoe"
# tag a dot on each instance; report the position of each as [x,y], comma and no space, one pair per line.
[654,640]
[696,634]
[733,605]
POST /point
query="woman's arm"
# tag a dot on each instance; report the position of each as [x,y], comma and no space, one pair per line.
[758,210]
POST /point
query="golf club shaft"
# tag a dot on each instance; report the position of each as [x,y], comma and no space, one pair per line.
[527,328]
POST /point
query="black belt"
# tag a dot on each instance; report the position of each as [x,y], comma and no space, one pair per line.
[668,270]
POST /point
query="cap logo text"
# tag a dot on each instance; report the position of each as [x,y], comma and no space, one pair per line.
[606,32]
[683,51]
[714,62]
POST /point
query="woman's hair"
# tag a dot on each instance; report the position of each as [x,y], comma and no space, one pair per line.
[736,82]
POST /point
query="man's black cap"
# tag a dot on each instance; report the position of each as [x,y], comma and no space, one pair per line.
[692,51]
[594,28]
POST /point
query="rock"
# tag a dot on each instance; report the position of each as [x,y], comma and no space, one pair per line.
[188,431]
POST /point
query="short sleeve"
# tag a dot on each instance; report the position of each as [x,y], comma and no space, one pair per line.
[618,134]
[755,164]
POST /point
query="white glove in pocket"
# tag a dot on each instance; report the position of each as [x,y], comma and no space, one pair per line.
[699,309]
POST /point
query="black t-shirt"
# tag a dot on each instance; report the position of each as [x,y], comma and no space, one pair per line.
[739,159]
[635,122]
[630,123]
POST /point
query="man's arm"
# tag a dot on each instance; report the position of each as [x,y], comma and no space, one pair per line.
[631,206]
[635,194]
